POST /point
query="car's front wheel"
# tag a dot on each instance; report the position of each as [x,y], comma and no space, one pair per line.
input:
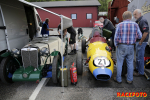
[7,67]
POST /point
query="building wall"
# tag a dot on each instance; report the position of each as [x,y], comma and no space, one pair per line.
[120,7]
[81,12]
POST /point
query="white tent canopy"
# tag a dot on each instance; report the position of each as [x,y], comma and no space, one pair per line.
[67,22]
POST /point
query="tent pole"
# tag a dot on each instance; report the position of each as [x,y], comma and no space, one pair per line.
[62,50]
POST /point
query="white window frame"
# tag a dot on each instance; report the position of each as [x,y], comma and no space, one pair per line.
[74,17]
[87,16]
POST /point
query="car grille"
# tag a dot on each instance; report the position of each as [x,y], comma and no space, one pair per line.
[29,57]
[103,76]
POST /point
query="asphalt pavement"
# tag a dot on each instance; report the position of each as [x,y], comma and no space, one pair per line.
[87,88]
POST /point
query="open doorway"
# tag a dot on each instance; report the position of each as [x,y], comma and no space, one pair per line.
[31,21]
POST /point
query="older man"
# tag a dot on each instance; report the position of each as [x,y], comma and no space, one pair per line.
[141,43]
[127,32]
[45,27]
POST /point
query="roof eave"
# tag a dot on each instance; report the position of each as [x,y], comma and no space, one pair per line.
[70,6]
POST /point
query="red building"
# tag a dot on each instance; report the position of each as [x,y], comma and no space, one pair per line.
[82,13]
[116,8]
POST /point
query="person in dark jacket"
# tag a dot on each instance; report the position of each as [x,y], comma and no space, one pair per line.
[45,27]
[107,24]
[72,40]
[141,43]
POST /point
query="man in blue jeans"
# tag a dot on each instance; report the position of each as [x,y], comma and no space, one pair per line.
[127,32]
[141,43]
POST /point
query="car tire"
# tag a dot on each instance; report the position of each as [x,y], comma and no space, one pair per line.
[79,63]
[83,45]
[7,64]
[55,68]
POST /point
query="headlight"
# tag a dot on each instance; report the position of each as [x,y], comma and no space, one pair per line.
[44,51]
[101,62]
[15,52]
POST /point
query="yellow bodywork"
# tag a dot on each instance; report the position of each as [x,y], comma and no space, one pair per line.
[97,49]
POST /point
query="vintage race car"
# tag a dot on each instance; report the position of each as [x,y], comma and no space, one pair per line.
[99,57]
[34,61]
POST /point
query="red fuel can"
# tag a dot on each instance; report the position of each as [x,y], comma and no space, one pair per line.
[73,75]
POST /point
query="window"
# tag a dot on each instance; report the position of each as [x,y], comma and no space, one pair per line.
[73,16]
[88,16]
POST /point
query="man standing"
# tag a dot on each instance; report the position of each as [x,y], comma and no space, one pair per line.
[127,32]
[72,40]
[45,27]
[141,43]
[107,24]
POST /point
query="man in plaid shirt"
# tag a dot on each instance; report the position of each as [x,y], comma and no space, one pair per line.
[127,32]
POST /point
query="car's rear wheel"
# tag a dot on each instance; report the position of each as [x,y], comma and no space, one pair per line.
[79,63]
[83,45]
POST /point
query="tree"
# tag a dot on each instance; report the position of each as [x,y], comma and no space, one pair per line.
[104,5]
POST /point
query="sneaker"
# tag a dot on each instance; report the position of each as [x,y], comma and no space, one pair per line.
[75,51]
[116,80]
[137,74]
[71,53]
[129,82]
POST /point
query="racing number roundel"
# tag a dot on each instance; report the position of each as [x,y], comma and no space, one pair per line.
[101,62]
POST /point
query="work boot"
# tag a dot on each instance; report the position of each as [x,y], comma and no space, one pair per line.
[137,74]
[129,82]
[75,51]
[116,80]
[71,53]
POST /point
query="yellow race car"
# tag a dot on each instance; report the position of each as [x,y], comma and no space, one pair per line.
[99,57]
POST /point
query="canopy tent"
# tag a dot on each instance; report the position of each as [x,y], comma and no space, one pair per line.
[67,22]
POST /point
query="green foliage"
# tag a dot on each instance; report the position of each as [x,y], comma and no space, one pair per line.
[104,5]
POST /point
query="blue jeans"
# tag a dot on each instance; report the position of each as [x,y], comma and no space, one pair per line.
[125,52]
[140,51]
